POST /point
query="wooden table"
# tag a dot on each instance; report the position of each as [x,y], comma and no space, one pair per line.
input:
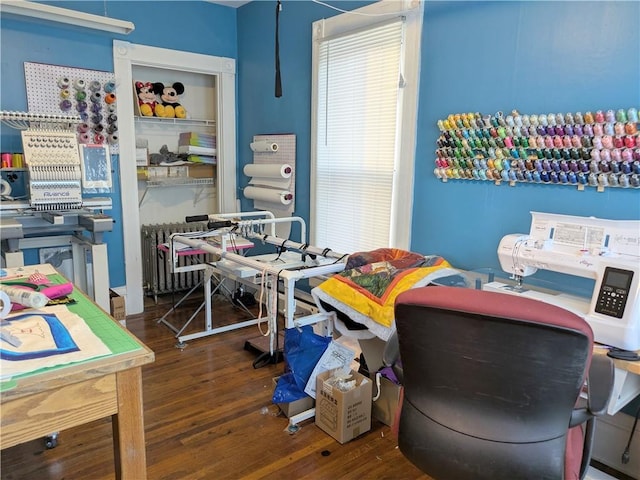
[55,400]
[626,382]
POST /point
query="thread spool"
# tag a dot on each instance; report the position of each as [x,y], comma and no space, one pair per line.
[7,160]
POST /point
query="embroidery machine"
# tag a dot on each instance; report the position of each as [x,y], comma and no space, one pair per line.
[607,251]
[53,211]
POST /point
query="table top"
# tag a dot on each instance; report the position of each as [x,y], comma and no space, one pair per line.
[127,351]
[629,366]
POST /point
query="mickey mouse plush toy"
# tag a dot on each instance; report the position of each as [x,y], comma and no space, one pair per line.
[148,101]
[169,97]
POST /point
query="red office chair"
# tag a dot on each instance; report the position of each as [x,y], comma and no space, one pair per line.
[492,385]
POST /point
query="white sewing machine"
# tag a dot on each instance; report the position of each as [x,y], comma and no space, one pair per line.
[607,251]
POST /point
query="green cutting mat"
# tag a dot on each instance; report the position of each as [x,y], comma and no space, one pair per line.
[106,329]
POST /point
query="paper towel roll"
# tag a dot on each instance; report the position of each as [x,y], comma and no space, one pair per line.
[264,146]
[268,170]
[282,197]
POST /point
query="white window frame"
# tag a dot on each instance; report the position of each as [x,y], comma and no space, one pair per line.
[402,196]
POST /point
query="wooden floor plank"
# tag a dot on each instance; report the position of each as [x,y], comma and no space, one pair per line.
[208,415]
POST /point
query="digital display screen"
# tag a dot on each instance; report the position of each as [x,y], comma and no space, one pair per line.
[96,166]
[618,278]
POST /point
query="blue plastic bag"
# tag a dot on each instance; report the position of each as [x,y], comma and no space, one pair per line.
[302,351]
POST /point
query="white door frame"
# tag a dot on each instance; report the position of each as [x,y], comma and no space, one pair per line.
[125,56]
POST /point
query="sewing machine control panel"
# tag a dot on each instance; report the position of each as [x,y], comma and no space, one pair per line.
[614,292]
[54,168]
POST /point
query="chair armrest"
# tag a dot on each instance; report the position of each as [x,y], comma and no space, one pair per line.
[600,384]
[599,387]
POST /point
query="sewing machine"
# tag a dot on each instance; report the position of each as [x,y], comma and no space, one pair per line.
[607,251]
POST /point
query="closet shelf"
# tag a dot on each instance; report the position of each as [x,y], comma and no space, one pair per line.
[203,122]
[178,182]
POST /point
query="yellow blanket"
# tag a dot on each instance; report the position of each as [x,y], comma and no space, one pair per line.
[372,280]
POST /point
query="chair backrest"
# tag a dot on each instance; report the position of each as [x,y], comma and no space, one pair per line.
[490,382]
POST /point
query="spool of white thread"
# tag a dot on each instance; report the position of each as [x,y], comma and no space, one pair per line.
[6,304]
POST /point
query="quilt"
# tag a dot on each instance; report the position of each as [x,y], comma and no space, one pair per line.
[367,288]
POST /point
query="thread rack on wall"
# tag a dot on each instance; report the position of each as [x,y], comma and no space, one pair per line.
[600,149]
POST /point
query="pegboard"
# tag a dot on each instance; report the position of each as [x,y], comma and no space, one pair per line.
[286,154]
[91,94]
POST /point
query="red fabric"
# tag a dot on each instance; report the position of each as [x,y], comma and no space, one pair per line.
[573,454]
[495,304]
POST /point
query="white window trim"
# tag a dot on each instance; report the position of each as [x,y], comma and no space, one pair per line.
[402,201]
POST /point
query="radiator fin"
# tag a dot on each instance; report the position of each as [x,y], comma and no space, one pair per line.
[156,265]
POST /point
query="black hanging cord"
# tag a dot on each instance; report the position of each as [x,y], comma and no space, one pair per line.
[626,455]
[278,79]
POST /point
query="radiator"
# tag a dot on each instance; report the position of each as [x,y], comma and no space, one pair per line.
[156,264]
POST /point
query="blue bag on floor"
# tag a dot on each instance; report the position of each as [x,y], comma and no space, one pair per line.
[302,351]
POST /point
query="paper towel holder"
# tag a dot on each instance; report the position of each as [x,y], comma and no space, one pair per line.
[264,146]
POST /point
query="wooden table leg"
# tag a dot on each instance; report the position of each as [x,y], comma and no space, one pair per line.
[128,427]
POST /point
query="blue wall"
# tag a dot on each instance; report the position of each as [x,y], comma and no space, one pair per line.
[536,57]
[190,26]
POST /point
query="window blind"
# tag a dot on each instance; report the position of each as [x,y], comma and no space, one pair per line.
[357,117]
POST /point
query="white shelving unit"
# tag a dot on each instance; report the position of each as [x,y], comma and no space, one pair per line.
[210,101]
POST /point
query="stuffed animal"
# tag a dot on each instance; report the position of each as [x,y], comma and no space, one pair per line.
[169,97]
[148,101]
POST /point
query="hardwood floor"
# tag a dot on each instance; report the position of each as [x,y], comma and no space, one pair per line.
[209,415]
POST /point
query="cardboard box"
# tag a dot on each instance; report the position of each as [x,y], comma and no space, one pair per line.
[117,306]
[372,350]
[386,406]
[203,170]
[294,408]
[142,157]
[178,171]
[157,172]
[343,415]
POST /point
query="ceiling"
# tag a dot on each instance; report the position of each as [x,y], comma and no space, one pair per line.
[229,3]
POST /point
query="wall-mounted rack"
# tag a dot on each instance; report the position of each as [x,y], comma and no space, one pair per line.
[24,120]
[600,149]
